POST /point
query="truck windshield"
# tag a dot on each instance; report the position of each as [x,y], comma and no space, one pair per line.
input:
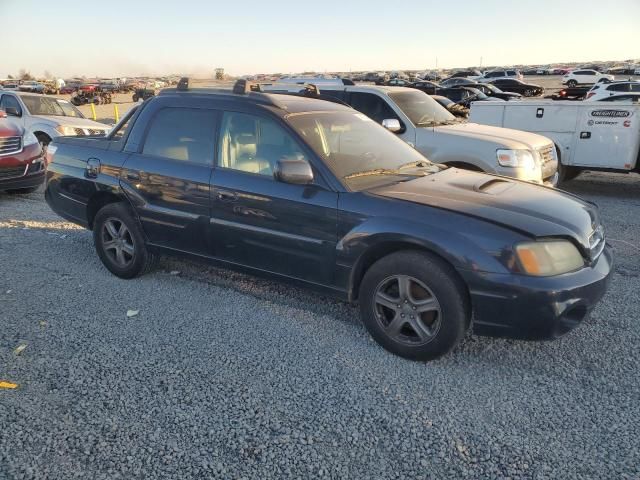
[354,147]
[38,105]
[422,110]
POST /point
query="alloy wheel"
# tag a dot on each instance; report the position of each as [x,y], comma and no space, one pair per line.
[117,242]
[407,310]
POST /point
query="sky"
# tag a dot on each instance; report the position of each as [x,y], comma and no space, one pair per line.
[118,38]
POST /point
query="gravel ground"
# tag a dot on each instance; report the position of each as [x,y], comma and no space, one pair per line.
[221,375]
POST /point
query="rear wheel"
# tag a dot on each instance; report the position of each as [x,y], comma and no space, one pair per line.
[119,242]
[528,92]
[135,97]
[22,191]
[414,305]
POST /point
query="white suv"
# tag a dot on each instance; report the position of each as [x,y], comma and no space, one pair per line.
[500,74]
[585,77]
[601,91]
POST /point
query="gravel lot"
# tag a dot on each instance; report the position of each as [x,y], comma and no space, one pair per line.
[221,375]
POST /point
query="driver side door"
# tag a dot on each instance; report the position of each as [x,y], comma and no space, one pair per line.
[260,222]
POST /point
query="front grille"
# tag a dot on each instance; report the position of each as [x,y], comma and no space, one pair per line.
[10,145]
[547,154]
[548,161]
[597,242]
[12,172]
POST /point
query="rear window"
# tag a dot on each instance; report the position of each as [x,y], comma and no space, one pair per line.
[184,134]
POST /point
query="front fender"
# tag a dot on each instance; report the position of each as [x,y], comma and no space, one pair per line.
[44,128]
[470,246]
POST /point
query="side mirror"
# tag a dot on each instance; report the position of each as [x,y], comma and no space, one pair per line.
[12,112]
[392,124]
[295,171]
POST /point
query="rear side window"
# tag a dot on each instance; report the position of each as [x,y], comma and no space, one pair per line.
[184,134]
[635,87]
[619,87]
[372,106]
[511,72]
[339,94]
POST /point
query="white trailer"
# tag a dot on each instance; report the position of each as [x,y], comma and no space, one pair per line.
[588,136]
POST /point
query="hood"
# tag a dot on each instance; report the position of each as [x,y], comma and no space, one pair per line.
[505,137]
[9,128]
[72,122]
[533,210]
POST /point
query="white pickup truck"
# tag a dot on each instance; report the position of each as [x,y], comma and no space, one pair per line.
[588,136]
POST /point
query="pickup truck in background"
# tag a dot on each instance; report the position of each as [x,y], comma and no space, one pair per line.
[587,136]
[431,129]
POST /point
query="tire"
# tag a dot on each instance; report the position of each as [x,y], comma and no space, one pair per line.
[399,327]
[135,98]
[44,141]
[129,257]
[566,173]
[572,83]
[528,93]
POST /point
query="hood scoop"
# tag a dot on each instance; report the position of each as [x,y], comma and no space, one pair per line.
[494,186]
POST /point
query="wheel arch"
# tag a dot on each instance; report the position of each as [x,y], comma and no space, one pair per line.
[98,201]
[384,248]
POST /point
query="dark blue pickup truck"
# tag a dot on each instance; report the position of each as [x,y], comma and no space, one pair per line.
[313,192]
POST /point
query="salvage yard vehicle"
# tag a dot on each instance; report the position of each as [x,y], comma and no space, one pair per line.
[22,165]
[585,77]
[143,94]
[518,86]
[31,86]
[423,123]
[491,90]
[48,117]
[454,108]
[500,74]
[602,90]
[587,135]
[314,192]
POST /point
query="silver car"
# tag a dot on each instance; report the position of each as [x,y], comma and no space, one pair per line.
[48,117]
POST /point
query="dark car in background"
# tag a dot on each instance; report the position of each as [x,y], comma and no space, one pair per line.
[316,193]
[491,90]
[464,95]
[426,86]
[454,108]
[518,86]
[22,166]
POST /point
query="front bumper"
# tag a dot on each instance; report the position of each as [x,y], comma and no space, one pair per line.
[536,308]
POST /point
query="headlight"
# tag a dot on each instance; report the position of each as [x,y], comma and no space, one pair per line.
[29,139]
[549,257]
[64,130]
[516,158]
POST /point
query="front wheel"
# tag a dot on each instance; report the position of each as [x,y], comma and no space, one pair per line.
[119,242]
[572,83]
[528,92]
[414,305]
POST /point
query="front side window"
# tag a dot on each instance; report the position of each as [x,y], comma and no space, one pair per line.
[254,144]
[184,134]
[635,87]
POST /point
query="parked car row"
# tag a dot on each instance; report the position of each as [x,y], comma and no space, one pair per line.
[313,191]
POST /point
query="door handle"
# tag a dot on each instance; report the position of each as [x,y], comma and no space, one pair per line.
[225,196]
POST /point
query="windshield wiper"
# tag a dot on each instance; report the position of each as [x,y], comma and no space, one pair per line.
[382,171]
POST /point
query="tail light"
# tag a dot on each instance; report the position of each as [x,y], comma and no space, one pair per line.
[590,94]
[49,153]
